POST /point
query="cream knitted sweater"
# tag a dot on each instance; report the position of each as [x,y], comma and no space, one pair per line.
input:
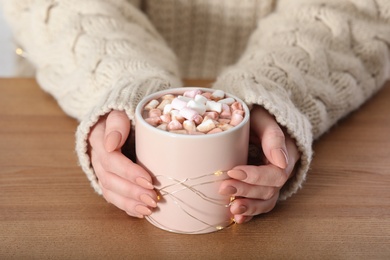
[308,62]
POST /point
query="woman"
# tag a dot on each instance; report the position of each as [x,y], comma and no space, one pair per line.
[300,65]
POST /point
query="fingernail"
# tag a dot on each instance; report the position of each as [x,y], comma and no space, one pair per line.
[241,209]
[280,158]
[247,218]
[237,174]
[145,198]
[143,210]
[228,190]
[239,219]
[144,183]
[112,141]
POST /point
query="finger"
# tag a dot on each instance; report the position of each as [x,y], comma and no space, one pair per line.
[119,164]
[241,189]
[239,219]
[97,134]
[250,207]
[117,130]
[268,175]
[271,136]
[116,162]
[124,188]
[132,207]
[293,153]
[262,175]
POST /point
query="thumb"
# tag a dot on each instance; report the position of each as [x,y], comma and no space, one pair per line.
[117,130]
[271,136]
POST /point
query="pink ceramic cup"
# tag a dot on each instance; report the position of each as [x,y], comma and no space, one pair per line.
[187,171]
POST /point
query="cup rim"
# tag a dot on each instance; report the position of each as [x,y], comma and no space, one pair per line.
[140,120]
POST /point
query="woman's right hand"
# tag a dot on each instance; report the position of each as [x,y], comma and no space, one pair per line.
[124,183]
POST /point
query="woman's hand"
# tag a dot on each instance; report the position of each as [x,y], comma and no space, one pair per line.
[124,183]
[257,188]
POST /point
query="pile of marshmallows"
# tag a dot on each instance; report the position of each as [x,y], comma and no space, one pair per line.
[194,112]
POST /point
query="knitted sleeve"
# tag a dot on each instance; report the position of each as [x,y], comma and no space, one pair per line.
[93,56]
[310,63]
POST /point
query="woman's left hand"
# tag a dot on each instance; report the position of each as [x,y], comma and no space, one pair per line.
[257,188]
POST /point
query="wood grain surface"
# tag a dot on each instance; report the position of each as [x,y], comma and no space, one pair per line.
[49,211]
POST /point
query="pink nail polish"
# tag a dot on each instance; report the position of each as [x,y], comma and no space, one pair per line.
[143,210]
[240,210]
[145,198]
[112,141]
[229,190]
[280,158]
[144,183]
[237,174]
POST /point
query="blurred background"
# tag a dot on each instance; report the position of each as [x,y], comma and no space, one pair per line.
[7,51]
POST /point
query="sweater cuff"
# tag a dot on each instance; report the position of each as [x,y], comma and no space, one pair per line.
[125,96]
[268,94]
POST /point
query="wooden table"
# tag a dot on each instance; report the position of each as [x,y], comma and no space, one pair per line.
[48,210]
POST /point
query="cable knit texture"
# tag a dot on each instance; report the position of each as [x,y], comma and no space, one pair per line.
[308,62]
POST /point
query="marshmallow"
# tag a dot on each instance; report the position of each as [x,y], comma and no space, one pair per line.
[154,121]
[212,114]
[192,93]
[224,121]
[167,109]
[225,113]
[227,101]
[154,112]
[208,118]
[195,112]
[175,115]
[183,98]
[168,97]
[198,107]
[215,130]
[225,127]
[206,126]
[178,103]
[188,113]
[236,106]
[238,111]
[236,119]
[163,104]
[217,94]
[213,106]
[166,118]
[198,119]
[162,126]
[189,126]
[207,95]
[174,125]
[152,104]
[200,99]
